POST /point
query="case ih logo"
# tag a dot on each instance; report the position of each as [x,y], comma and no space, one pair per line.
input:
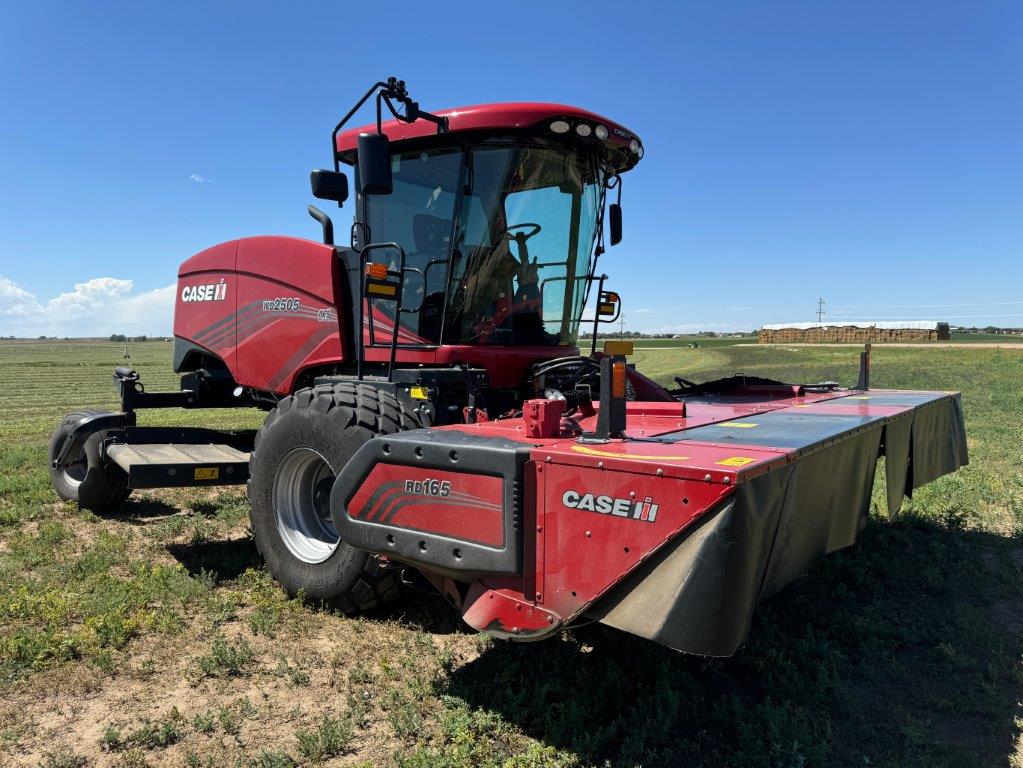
[644,510]
[208,292]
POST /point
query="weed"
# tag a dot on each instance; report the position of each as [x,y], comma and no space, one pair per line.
[230,720]
[292,672]
[329,739]
[194,760]
[62,757]
[112,739]
[204,722]
[226,659]
[133,758]
[404,713]
[275,759]
[147,736]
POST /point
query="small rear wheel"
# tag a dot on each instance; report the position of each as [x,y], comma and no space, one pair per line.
[84,476]
[303,445]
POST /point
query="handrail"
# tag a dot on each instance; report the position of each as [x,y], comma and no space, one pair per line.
[363,301]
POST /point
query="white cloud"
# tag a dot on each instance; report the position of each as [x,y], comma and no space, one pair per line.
[97,307]
[200,179]
[15,301]
[696,327]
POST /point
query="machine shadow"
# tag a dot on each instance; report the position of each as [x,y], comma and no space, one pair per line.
[425,610]
[140,511]
[224,559]
[903,650]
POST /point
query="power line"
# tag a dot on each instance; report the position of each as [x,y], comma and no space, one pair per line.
[820,310]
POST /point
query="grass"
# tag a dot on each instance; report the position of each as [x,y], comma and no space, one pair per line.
[154,636]
[683,341]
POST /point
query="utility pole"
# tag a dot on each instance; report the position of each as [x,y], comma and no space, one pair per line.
[621,327]
[820,310]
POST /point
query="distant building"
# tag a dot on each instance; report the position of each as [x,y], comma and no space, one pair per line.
[852,332]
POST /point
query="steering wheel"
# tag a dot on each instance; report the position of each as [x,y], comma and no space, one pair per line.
[520,239]
[522,236]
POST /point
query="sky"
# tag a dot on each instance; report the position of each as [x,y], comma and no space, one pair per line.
[867,153]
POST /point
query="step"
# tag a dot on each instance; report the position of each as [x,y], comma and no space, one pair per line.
[165,465]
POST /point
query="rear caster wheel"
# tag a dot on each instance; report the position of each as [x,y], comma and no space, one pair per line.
[85,477]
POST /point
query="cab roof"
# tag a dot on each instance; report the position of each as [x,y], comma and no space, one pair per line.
[621,147]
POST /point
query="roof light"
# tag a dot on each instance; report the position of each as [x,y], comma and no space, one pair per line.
[634,145]
[601,131]
[583,129]
[560,126]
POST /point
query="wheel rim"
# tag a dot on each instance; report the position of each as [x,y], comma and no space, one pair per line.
[74,469]
[301,503]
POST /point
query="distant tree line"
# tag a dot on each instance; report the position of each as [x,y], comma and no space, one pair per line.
[641,335]
[121,337]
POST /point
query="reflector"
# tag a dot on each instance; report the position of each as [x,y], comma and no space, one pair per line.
[618,380]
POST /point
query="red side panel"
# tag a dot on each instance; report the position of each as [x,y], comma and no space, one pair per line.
[462,506]
[598,525]
[206,301]
[286,317]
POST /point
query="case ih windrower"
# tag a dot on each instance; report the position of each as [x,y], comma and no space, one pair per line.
[429,410]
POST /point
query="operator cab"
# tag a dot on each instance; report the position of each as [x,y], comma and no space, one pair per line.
[499,217]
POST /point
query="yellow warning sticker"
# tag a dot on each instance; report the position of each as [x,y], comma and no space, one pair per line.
[419,393]
[634,457]
[378,289]
[207,473]
[735,461]
[737,424]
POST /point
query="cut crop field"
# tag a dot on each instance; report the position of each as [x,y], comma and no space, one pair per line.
[153,636]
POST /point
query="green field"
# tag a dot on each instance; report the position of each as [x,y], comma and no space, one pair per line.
[986,338]
[727,341]
[153,636]
[685,341]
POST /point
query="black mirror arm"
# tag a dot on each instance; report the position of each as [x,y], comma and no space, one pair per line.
[411,114]
[393,89]
[346,118]
[325,222]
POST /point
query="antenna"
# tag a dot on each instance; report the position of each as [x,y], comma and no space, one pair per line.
[820,310]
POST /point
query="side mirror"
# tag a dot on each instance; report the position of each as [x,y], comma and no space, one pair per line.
[374,164]
[615,223]
[329,185]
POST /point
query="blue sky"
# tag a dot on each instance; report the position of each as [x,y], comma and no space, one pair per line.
[867,152]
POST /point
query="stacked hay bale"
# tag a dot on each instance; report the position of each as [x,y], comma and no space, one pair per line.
[852,333]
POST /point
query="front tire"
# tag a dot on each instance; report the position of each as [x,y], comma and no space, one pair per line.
[303,445]
[85,477]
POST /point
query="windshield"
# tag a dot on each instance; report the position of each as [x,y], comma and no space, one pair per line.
[510,265]
[523,246]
